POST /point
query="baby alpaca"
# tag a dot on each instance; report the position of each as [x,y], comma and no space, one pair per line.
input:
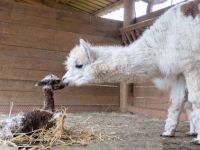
[168,54]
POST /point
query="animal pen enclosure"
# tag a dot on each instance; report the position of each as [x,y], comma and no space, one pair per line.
[35,40]
[37,35]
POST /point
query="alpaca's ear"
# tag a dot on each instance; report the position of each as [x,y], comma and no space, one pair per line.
[87,48]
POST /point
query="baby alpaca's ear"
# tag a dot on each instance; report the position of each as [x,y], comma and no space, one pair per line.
[87,47]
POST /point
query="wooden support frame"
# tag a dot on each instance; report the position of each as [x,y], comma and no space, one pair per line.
[149,7]
[123,97]
[129,17]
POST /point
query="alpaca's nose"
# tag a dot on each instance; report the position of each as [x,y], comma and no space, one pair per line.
[64,81]
[66,84]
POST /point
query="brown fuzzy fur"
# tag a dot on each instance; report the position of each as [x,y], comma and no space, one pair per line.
[191,8]
[49,99]
[37,119]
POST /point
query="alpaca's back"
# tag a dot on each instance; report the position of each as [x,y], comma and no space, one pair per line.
[174,39]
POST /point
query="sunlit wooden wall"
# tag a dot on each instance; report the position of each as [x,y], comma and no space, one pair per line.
[34,41]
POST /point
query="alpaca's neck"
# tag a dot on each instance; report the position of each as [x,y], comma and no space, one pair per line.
[137,61]
[118,63]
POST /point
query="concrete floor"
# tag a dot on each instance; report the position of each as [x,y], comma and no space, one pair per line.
[128,132]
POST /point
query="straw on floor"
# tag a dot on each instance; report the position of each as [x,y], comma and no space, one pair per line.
[58,135]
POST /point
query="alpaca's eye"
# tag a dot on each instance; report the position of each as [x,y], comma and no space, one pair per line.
[79,66]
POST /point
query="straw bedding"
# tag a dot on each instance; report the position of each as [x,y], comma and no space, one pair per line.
[57,135]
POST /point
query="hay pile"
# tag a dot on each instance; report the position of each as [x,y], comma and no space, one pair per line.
[58,135]
[43,129]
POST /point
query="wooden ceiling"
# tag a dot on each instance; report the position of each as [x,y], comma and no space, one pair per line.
[94,7]
[90,6]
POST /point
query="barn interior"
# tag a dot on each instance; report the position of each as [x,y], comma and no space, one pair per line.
[37,35]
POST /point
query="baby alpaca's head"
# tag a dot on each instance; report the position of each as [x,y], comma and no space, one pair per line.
[78,65]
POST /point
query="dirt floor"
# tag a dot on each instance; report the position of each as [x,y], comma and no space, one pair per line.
[128,132]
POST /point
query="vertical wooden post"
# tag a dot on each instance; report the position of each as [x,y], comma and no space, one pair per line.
[129,12]
[149,7]
[129,17]
[123,96]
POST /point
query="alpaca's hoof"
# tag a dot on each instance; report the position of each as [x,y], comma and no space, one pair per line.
[167,134]
[191,134]
[195,141]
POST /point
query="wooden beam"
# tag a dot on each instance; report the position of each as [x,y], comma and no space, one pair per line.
[149,7]
[96,6]
[105,2]
[111,7]
[129,17]
[129,12]
[152,15]
[81,4]
[54,4]
[123,96]
[96,3]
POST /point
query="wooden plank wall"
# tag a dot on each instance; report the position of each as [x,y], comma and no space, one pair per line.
[147,96]
[34,41]
[147,99]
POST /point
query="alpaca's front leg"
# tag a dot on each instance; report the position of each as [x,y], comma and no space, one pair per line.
[178,97]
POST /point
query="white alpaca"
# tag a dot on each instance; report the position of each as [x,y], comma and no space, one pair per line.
[168,54]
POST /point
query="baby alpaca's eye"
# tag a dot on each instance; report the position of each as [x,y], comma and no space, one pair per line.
[79,66]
